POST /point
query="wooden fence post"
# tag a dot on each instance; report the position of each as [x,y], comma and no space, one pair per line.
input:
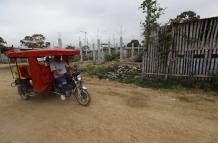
[169,57]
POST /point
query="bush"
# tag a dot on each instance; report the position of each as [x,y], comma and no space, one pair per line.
[134,78]
[138,58]
[99,72]
[88,57]
[75,59]
[112,57]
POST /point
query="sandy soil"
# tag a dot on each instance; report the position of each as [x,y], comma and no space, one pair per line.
[118,113]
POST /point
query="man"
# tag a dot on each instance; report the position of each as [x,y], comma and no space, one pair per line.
[58,67]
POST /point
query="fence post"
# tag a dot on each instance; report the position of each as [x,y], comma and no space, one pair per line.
[116,50]
[169,56]
[81,51]
[98,46]
[121,48]
[109,48]
[138,50]
[132,51]
[93,52]
[102,52]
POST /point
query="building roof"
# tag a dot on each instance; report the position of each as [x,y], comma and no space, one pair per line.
[42,53]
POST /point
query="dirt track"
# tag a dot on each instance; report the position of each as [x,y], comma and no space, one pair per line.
[118,113]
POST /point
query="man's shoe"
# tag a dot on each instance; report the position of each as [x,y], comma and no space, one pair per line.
[63,98]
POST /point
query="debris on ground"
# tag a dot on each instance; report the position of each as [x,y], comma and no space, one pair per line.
[123,70]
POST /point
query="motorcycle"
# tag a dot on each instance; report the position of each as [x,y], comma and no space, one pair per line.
[79,89]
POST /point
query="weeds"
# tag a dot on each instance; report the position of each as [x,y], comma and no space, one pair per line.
[135,78]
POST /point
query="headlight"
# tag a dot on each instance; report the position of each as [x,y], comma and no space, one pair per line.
[79,77]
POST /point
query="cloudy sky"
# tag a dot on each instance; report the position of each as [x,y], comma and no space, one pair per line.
[70,17]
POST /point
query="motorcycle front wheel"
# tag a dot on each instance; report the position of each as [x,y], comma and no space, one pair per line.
[83,98]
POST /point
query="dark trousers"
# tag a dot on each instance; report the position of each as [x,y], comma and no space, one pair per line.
[63,81]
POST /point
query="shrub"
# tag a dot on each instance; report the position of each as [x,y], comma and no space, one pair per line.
[112,57]
[75,58]
[138,58]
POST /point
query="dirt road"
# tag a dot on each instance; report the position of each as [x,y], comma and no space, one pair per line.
[118,113]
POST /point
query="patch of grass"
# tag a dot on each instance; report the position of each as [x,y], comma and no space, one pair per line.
[134,78]
[169,84]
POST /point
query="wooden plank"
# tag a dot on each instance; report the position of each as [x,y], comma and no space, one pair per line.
[216,63]
[169,57]
[177,49]
[175,45]
[146,61]
[156,56]
[195,63]
[151,57]
[199,33]
[208,38]
[212,63]
[192,63]
[214,41]
[188,46]
[206,22]
[204,62]
[209,63]
[199,65]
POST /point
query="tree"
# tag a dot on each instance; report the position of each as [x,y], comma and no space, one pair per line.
[35,41]
[153,12]
[2,46]
[70,47]
[2,41]
[136,43]
[185,17]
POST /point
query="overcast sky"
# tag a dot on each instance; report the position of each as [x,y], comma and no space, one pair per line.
[69,17]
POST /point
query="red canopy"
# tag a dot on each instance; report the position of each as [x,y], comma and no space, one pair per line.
[42,53]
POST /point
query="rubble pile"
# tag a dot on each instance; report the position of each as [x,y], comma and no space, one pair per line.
[123,70]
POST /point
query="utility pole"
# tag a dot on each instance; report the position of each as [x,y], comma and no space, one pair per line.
[86,45]
[132,52]
[81,51]
[98,46]
[93,52]
[121,48]
[102,52]
[85,41]
[109,48]
[59,41]
[121,44]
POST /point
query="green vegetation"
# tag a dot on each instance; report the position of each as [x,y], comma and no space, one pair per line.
[153,12]
[185,17]
[2,47]
[138,57]
[135,78]
[87,57]
[35,41]
[112,57]
[75,58]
